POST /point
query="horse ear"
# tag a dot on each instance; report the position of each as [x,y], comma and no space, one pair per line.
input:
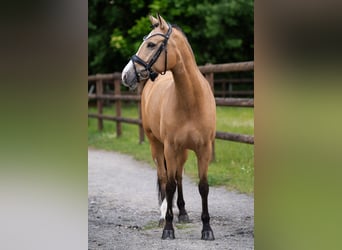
[162,22]
[153,20]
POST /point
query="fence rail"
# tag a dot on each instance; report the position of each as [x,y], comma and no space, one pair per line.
[227,67]
[233,102]
[207,70]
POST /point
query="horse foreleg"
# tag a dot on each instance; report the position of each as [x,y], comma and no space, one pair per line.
[162,179]
[183,215]
[203,161]
[207,232]
[157,150]
[168,231]
[170,156]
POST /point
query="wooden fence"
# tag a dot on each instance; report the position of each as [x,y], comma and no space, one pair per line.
[207,70]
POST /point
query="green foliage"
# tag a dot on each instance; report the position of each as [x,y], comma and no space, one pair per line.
[218,31]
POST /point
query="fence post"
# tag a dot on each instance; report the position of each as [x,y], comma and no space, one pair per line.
[210,79]
[141,129]
[117,91]
[99,103]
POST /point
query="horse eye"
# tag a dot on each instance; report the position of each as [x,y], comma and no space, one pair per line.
[151,45]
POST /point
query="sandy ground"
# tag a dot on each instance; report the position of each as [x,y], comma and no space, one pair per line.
[123,209]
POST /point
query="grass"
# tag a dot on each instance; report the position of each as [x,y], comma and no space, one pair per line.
[151,225]
[234,165]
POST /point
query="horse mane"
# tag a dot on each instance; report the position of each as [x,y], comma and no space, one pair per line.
[179,29]
[186,39]
[153,26]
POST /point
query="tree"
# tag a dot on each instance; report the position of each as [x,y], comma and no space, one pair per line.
[218,31]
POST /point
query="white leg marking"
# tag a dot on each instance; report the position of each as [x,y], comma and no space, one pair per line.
[163,208]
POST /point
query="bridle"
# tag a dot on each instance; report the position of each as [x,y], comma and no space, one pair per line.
[148,65]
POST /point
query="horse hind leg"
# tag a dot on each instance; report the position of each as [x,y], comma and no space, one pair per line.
[183,215]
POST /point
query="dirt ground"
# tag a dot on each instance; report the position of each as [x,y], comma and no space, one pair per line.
[123,209]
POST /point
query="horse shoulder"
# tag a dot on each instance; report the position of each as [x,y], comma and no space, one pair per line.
[154,97]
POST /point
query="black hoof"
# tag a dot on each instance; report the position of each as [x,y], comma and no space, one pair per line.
[208,235]
[161,222]
[168,234]
[183,218]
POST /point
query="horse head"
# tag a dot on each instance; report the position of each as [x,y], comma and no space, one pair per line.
[154,56]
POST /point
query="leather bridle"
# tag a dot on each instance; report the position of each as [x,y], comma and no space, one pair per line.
[148,65]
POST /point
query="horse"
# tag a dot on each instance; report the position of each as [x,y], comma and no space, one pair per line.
[178,114]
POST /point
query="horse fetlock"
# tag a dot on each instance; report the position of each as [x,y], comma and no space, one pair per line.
[205,219]
[183,218]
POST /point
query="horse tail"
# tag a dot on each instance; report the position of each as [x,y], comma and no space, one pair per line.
[160,198]
[159,191]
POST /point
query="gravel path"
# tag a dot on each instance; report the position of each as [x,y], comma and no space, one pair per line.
[123,209]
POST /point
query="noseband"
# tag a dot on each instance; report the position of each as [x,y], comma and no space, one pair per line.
[148,66]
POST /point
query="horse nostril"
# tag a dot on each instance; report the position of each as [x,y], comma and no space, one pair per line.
[124,78]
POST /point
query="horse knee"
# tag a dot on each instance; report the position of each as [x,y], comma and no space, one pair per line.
[203,188]
[170,187]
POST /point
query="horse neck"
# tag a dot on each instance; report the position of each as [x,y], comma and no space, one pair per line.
[187,77]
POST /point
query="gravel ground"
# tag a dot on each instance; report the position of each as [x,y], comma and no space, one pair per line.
[123,211]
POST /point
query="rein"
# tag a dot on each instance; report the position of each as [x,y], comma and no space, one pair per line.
[148,66]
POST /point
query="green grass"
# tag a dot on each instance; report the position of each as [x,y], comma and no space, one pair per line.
[234,165]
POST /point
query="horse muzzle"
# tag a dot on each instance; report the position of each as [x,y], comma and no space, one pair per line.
[128,76]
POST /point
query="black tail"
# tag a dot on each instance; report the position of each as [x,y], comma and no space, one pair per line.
[159,191]
[161,196]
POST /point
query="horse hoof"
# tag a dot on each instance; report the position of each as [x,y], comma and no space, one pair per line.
[184,218]
[168,234]
[208,235]
[161,222]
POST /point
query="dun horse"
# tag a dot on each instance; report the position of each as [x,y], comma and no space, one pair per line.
[178,113]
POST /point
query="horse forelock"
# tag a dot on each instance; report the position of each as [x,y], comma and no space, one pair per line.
[153,26]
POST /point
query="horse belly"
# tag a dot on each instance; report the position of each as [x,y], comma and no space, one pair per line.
[188,137]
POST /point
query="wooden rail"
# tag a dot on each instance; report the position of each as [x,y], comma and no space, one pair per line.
[227,67]
[207,70]
[235,137]
[233,102]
